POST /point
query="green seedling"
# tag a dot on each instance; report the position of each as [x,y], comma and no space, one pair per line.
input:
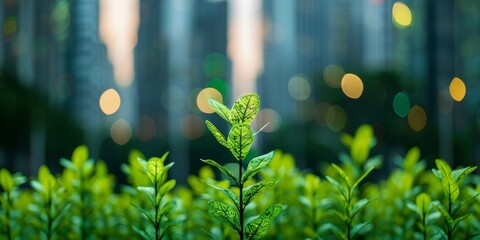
[156,191]
[49,204]
[77,179]
[9,214]
[350,206]
[239,141]
[423,207]
[451,189]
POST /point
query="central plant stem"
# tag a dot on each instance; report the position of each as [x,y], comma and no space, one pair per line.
[240,207]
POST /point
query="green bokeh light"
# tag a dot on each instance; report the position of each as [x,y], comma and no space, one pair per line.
[401,104]
[220,85]
[215,65]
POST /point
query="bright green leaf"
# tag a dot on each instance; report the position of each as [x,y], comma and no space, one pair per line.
[220,109]
[216,133]
[411,158]
[342,174]
[256,164]
[448,218]
[166,187]
[459,174]
[155,168]
[80,156]
[222,169]
[459,219]
[360,148]
[360,179]
[229,193]
[450,187]
[258,227]
[423,201]
[252,191]
[245,109]
[225,213]
[240,139]
[6,180]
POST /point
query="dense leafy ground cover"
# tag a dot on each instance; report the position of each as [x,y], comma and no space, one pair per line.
[271,198]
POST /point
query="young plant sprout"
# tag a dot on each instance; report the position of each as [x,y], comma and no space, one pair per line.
[239,141]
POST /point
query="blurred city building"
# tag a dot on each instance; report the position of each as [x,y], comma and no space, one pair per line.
[136,74]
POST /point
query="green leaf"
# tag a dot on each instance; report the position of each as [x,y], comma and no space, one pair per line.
[360,179]
[141,232]
[357,228]
[252,191]
[240,139]
[46,178]
[216,133]
[155,168]
[229,193]
[342,174]
[459,219]
[222,169]
[411,158]
[258,227]
[149,192]
[358,206]
[245,109]
[256,164]
[225,213]
[339,187]
[6,180]
[80,156]
[450,187]
[166,187]
[448,218]
[144,212]
[457,206]
[423,201]
[220,109]
[360,148]
[459,174]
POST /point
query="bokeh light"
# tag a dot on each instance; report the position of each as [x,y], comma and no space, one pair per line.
[417,118]
[352,85]
[299,88]
[457,89]
[335,118]
[109,101]
[121,132]
[203,97]
[192,127]
[269,116]
[215,65]
[401,14]
[401,104]
[147,128]
[60,20]
[220,85]
[9,26]
[332,75]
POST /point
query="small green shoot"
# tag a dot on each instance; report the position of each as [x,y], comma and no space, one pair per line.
[239,141]
[451,189]
[156,191]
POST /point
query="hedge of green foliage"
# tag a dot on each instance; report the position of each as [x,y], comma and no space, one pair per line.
[344,202]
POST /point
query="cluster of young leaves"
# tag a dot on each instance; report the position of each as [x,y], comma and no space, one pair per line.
[77,179]
[156,192]
[49,205]
[239,142]
[451,185]
[359,166]
[424,209]
[10,229]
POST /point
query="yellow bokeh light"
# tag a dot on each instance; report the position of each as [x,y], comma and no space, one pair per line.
[417,118]
[401,14]
[352,85]
[121,132]
[109,101]
[457,89]
[203,97]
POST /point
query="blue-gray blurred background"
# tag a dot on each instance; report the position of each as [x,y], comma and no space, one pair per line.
[123,74]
